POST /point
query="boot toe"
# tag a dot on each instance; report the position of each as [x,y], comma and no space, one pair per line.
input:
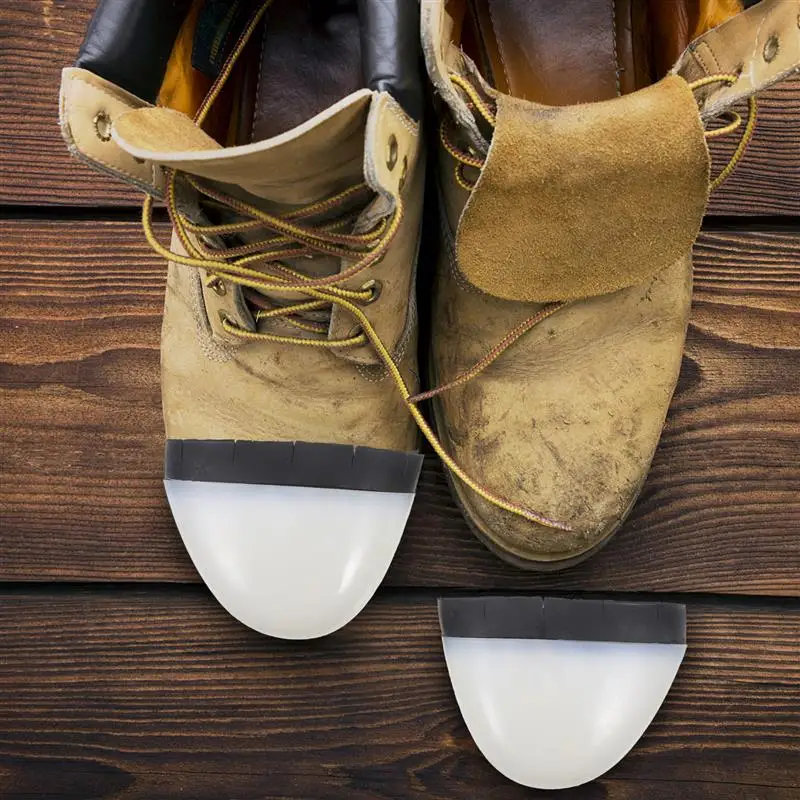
[532,546]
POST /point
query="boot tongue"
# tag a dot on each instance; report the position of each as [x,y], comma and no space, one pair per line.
[579,201]
[306,164]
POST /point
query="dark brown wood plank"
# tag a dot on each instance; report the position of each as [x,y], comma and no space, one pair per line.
[42,36]
[81,435]
[767,180]
[160,694]
[39,38]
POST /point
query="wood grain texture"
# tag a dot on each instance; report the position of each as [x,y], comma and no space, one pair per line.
[157,694]
[39,37]
[767,180]
[81,434]
[42,36]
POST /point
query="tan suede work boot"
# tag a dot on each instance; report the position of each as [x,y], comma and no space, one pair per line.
[574,175]
[284,139]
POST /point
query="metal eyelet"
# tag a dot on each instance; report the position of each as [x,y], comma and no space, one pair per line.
[391,152]
[358,330]
[224,318]
[217,285]
[403,174]
[375,287]
[102,126]
[771,49]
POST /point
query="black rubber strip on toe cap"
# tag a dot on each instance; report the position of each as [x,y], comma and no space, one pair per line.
[563,619]
[310,464]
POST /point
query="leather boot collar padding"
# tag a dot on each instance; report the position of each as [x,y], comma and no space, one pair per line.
[583,200]
[129,41]
[390,51]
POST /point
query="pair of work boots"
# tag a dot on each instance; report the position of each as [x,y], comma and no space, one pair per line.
[284,139]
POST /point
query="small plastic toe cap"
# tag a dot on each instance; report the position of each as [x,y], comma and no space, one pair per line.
[291,562]
[555,714]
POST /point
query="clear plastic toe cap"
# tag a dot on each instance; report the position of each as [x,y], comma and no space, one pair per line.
[291,562]
[552,714]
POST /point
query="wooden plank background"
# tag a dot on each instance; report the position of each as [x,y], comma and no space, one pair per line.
[120,677]
[141,692]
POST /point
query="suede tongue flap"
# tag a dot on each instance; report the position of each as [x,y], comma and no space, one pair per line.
[584,200]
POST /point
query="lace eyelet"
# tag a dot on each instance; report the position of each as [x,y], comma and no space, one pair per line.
[102,126]
[771,49]
[391,152]
[403,174]
[375,287]
[357,331]
[217,285]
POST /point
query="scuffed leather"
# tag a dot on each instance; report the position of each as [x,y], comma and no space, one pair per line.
[394,312]
[390,51]
[307,394]
[129,41]
[441,57]
[566,420]
[582,200]
[85,97]
[214,386]
[269,391]
[761,45]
